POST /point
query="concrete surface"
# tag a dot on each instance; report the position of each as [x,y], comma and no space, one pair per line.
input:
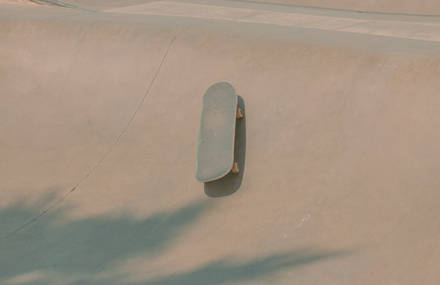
[426,7]
[99,117]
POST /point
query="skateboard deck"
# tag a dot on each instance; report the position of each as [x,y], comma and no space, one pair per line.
[215,155]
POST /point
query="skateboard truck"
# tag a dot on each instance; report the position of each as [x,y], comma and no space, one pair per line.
[235,168]
[239,114]
[215,154]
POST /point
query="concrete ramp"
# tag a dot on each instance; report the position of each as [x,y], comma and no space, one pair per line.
[422,7]
[99,121]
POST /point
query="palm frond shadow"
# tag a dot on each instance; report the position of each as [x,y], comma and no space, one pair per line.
[90,246]
[227,271]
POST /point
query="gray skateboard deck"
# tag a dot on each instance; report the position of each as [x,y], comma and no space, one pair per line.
[215,155]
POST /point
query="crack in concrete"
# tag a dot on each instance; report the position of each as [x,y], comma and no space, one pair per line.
[104,157]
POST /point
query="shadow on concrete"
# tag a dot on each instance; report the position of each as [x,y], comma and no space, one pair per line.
[229,272]
[92,250]
[232,182]
[86,246]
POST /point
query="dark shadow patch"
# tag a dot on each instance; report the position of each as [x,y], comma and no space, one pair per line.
[86,246]
[228,272]
[232,182]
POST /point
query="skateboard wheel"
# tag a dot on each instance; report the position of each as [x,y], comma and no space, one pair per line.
[235,168]
[239,113]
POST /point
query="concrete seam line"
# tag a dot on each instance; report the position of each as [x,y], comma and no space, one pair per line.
[106,154]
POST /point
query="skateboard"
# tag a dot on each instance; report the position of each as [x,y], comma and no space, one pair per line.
[215,154]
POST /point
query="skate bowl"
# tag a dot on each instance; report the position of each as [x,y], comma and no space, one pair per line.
[100,105]
[423,7]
